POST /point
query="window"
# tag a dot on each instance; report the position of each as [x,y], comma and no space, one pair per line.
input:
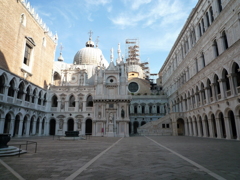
[203,60]
[163,125]
[20,91]
[72,101]
[11,88]
[54,101]
[225,41]
[196,62]
[215,48]
[111,105]
[219,5]
[207,17]
[211,14]
[167,125]
[133,87]
[27,54]
[203,28]
[199,28]
[2,84]
[89,101]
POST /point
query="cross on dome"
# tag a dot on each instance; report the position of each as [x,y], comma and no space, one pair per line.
[90,35]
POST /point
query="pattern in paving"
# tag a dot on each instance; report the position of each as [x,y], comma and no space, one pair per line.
[131,158]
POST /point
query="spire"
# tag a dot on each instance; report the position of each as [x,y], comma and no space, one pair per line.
[90,35]
[119,59]
[111,56]
[60,58]
[90,43]
[97,41]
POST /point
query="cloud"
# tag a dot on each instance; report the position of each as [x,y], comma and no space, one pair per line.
[98,2]
[90,17]
[137,3]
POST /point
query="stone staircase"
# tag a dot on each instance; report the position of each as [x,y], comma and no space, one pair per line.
[156,127]
[11,151]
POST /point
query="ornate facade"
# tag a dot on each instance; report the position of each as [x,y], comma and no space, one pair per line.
[201,75]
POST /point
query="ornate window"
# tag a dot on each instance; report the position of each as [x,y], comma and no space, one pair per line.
[133,87]
[89,101]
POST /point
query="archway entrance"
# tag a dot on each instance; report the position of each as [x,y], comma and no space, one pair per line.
[135,126]
[130,127]
[88,127]
[180,127]
[222,125]
[7,123]
[16,125]
[70,125]
[24,127]
[232,125]
[52,127]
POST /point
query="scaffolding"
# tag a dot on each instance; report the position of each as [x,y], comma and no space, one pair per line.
[132,51]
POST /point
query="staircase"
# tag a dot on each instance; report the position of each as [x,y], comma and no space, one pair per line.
[11,151]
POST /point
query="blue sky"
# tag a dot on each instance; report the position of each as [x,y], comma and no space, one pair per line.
[156,23]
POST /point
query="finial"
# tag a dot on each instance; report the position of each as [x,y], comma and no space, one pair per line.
[97,41]
[90,35]
[111,57]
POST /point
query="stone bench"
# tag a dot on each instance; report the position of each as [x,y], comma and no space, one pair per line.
[71,133]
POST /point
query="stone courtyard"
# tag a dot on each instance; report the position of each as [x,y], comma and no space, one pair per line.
[137,157]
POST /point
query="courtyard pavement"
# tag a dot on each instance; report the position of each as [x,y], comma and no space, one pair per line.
[137,157]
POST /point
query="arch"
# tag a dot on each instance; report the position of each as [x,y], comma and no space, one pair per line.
[89,101]
[39,97]
[88,130]
[37,125]
[31,126]
[222,125]
[226,82]
[7,123]
[52,126]
[43,125]
[180,127]
[44,99]
[135,126]
[11,89]
[24,127]
[34,95]
[236,78]
[56,79]
[20,92]
[28,92]
[72,101]
[54,101]
[214,125]
[207,126]
[16,125]
[217,86]
[70,124]
[2,84]
[232,125]
[200,126]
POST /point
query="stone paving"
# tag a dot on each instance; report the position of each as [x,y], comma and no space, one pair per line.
[131,158]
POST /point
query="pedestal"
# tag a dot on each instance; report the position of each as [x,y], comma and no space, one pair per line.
[110,132]
[4,139]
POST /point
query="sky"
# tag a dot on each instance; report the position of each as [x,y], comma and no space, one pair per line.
[156,23]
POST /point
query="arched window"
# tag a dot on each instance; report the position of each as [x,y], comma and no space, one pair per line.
[34,95]
[158,109]
[143,109]
[57,79]
[11,88]
[39,98]
[203,28]
[219,2]
[20,91]
[237,75]
[199,28]
[135,109]
[225,41]
[44,99]
[203,60]
[27,96]
[203,91]
[89,101]
[211,14]
[2,84]
[225,74]
[209,88]
[72,101]
[207,17]
[217,84]
[54,101]
[215,48]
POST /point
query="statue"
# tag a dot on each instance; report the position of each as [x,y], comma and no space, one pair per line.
[110,117]
[61,124]
[79,124]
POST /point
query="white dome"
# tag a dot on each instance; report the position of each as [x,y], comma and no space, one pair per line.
[88,55]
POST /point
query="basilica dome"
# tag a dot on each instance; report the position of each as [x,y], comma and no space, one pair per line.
[89,55]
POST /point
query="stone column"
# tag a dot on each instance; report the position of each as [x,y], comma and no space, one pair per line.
[233,84]
[83,128]
[174,127]
[196,99]
[214,94]
[186,128]
[94,128]
[194,128]
[228,128]
[28,128]
[207,95]
[75,128]
[64,126]
[222,88]
[204,126]
[201,97]
[210,123]
[11,127]
[2,121]
[219,129]
[20,128]
[237,122]
[40,128]
[199,128]
[34,126]
[190,128]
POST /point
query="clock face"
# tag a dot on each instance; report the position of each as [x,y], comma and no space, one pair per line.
[73,79]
